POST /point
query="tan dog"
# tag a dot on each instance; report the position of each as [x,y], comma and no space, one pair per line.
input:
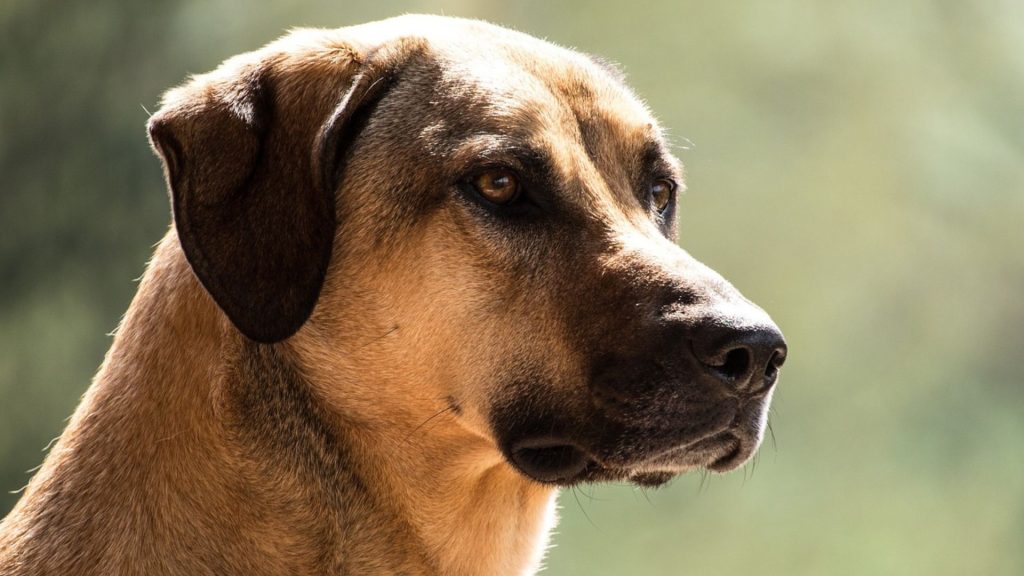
[422,273]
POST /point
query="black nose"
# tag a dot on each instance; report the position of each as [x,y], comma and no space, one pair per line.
[747,358]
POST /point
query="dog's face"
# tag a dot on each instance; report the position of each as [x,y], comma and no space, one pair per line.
[497,217]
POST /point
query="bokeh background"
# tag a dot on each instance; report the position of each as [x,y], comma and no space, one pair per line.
[857,168]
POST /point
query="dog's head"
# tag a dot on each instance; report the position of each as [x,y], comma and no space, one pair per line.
[448,214]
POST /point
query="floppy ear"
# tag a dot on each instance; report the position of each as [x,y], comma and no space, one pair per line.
[251,161]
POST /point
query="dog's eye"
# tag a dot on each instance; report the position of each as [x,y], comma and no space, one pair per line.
[661,194]
[497,186]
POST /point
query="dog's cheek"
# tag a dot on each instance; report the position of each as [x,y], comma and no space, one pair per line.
[521,375]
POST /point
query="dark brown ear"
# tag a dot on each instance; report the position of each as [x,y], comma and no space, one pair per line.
[252,186]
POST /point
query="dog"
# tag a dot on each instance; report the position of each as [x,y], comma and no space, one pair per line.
[422,272]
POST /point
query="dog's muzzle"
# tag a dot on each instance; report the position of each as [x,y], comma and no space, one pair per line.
[695,395]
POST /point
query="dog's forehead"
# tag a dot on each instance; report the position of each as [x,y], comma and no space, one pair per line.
[503,73]
[520,76]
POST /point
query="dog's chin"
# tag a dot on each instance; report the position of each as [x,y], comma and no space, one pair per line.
[562,463]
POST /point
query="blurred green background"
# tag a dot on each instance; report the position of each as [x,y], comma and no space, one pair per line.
[855,168]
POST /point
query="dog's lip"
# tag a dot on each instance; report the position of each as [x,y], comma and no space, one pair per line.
[551,460]
[719,452]
[724,444]
[571,463]
[734,454]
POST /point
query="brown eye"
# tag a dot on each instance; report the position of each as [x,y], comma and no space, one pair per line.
[497,186]
[661,194]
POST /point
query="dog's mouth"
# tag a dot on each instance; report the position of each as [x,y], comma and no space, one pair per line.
[561,462]
[551,460]
[651,449]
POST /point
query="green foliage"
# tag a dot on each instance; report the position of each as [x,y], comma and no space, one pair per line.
[855,168]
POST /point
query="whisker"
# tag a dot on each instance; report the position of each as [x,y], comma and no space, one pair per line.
[582,509]
[425,422]
[643,490]
[381,337]
[590,496]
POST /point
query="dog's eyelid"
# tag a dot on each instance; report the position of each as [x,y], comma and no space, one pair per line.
[529,165]
[656,161]
[660,168]
[518,158]
[671,179]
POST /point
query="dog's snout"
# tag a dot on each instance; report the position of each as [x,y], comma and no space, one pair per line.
[746,357]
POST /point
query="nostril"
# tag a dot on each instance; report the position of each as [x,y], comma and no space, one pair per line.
[734,365]
[771,370]
[746,358]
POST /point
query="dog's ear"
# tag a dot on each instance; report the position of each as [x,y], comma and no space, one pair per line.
[251,156]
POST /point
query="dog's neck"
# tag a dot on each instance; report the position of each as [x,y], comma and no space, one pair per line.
[196,450]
